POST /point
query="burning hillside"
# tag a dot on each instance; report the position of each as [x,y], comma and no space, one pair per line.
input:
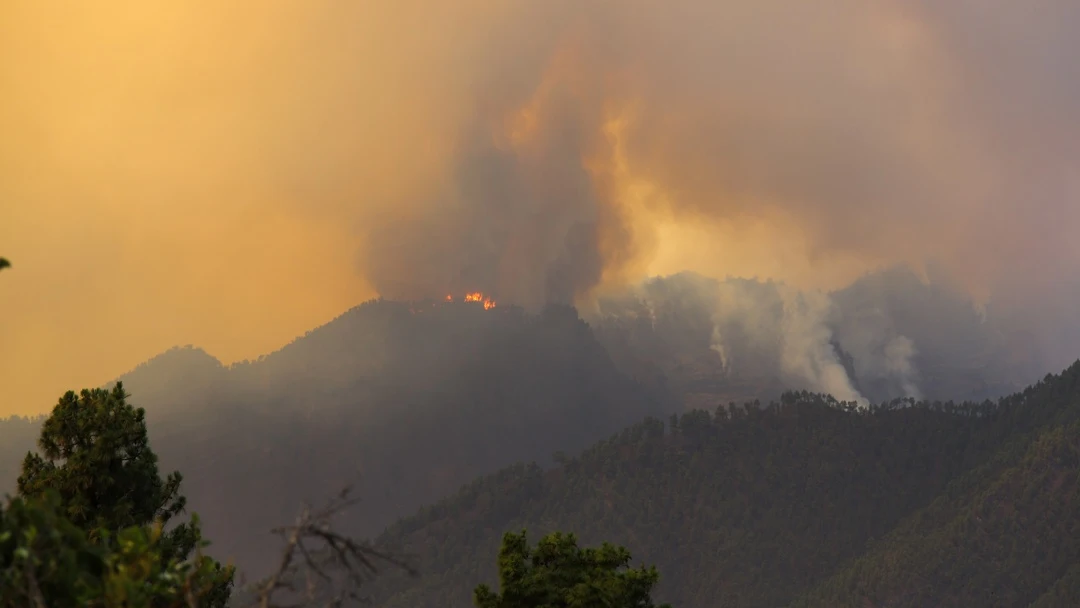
[471,298]
[477,297]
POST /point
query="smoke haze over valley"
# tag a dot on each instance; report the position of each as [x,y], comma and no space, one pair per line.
[233,175]
[775,293]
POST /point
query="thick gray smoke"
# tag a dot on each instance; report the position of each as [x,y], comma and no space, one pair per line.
[883,132]
[523,230]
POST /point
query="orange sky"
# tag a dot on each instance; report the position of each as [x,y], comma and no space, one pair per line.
[216,173]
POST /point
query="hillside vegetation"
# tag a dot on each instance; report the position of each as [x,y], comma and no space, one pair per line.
[405,402]
[804,503]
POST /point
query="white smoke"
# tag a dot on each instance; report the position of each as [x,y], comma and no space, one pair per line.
[807,352]
[868,334]
[762,328]
[764,322]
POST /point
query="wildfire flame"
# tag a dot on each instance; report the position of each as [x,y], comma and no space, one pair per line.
[477,297]
[474,296]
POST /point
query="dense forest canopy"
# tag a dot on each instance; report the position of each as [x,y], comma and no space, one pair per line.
[806,502]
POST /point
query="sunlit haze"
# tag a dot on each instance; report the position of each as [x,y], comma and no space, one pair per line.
[232,174]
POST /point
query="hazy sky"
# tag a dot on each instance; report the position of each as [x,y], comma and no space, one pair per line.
[230,174]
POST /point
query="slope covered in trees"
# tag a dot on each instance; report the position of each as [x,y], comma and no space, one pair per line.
[404,401]
[410,400]
[804,503]
[1007,535]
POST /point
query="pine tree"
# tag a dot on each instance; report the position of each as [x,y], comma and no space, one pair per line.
[96,457]
[559,574]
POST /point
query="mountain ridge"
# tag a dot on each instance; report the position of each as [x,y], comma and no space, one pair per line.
[770,507]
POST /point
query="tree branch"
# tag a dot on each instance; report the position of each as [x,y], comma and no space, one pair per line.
[333,566]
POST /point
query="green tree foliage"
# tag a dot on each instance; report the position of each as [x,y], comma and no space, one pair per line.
[4,264]
[96,454]
[47,561]
[96,459]
[43,555]
[559,574]
[89,527]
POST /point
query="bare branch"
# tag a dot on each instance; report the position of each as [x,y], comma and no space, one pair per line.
[332,566]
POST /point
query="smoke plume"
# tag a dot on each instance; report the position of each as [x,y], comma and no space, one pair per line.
[761,327]
[231,174]
[879,132]
[890,334]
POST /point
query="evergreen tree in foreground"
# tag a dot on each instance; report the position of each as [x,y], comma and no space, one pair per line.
[559,574]
[97,464]
[88,526]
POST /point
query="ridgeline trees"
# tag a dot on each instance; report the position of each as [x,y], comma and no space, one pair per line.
[803,503]
[559,574]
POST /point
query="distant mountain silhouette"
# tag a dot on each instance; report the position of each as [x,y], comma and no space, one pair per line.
[414,399]
[411,399]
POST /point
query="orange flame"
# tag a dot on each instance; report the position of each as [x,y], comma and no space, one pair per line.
[449,298]
[479,298]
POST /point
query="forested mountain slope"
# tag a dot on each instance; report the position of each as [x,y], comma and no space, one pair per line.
[412,399]
[1007,535]
[406,400]
[805,503]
